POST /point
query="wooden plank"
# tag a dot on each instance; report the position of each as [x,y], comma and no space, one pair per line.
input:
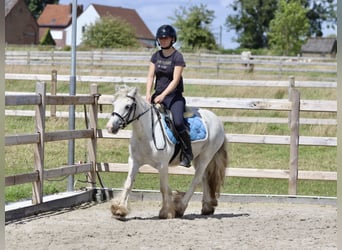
[126,134]
[294,96]
[106,99]
[245,138]
[318,106]
[68,135]
[227,103]
[317,141]
[69,100]
[276,120]
[15,100]
[122,134]
[50,173]
[317,175]
[21,179]
[230,172]
[65,114]
[239,103]
[39,148]
[233,119]
[56,202]
[67,170]
[194,81]
[258,139]
[11,140]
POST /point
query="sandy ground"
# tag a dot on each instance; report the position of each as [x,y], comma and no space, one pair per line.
[235,225]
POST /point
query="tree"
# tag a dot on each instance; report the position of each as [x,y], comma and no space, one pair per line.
[193,25]
[320,14]
[289,28]
[110,32]
[37,6]
[47,39]
[251,21]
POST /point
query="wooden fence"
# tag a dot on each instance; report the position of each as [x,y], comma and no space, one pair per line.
[40,99]
[135,63]
[40,137]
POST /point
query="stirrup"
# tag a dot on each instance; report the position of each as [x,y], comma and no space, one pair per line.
[185,163]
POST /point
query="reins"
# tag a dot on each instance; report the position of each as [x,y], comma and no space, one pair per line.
[161,126]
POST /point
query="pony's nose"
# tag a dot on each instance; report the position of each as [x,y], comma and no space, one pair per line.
[109,127]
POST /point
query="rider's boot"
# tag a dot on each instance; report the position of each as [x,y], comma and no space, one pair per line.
[186,155]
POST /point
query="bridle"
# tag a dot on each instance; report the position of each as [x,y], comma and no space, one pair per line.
[125,119]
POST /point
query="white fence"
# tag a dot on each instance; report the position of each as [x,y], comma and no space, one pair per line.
[136,63]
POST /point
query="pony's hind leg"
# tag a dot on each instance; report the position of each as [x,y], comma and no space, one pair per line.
[168,209]
[181,199]
[213,180]
[209,201]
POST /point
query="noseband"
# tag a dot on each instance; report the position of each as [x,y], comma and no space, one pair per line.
[125,120]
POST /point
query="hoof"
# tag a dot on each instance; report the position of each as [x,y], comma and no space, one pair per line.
[118,211]
[208,208]
[179,206]
[163,214]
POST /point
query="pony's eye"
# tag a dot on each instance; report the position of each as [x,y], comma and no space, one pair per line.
[127,107]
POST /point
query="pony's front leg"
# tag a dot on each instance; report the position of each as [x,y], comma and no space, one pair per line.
[168,209]
[119,205]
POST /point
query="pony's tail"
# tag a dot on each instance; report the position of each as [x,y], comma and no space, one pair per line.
[216,171]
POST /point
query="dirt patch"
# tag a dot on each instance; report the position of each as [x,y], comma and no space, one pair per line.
[254,225]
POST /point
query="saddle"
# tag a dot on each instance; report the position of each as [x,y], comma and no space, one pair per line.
[197,128]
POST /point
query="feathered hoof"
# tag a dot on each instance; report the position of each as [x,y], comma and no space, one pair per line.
[177,201]
[166,214]
[208,209]
[118,211]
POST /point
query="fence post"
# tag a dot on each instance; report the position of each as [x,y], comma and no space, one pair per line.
[53,90]
[92,145]
[294,97]
[37,192]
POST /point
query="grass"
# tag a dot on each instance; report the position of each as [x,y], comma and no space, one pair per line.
[20,159]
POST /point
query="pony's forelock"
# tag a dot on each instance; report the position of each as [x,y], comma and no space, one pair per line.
[121,90]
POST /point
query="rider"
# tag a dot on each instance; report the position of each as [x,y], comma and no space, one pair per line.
[166,66]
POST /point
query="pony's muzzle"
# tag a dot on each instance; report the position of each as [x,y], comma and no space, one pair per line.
[112,127]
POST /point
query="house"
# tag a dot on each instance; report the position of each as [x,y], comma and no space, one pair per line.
[56,18]
[320,47]
[95,11]
[20,25]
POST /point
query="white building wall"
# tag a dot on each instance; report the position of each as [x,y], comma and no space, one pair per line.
[89,16]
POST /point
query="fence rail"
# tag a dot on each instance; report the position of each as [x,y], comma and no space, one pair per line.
[136,63]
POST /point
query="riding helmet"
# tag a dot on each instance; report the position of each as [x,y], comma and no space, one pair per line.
[166,31]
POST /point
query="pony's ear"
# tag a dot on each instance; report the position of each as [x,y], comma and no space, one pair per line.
[132,92]
[120,88]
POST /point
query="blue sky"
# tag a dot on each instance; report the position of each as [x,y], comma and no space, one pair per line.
[157,12]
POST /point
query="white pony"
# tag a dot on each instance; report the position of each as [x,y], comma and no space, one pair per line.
[149,145]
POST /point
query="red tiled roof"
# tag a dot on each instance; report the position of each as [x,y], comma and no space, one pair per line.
[128,15]
[56,15]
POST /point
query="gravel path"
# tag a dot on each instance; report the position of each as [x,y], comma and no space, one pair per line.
[235,225]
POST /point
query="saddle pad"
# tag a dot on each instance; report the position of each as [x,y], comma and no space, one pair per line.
[198,130]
